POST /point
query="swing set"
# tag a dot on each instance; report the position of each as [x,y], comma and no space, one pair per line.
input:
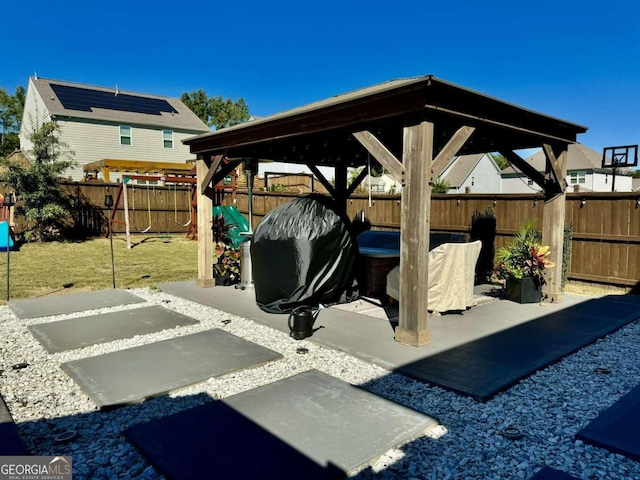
[122,193]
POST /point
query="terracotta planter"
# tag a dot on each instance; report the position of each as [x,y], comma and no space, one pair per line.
[525,290]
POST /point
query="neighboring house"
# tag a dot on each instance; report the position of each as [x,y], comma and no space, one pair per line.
[477,173]
[291,169]
[382,184]
[635,184]
[104,123]
[584,173]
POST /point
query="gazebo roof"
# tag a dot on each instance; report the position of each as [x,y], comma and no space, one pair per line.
[321,133]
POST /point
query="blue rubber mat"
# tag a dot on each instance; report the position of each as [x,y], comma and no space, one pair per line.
[131,375]
[491,364]
[617,428]
[84,331]
[72,303]
[309,426]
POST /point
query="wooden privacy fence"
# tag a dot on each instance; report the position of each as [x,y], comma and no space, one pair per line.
[605,246]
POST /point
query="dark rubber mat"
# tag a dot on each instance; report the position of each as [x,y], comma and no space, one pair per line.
[617,429]
[310,426]
[10,441]
[484,367]
[131,375]
[72,303]
[491,364]
[84,331]
[548,473]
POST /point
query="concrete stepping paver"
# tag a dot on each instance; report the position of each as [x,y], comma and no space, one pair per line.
[310,425]
[131,375]
[72,303]
[90,330]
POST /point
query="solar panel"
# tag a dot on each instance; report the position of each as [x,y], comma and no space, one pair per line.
[85,99]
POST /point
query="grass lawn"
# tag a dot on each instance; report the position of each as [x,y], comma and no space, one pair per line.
[40,269]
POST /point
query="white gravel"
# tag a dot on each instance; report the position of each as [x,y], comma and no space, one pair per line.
[548,407]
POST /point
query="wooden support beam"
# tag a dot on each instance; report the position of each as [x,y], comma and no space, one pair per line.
[557,182]
[553,217]
[417,155]
[318,174]
[450,150]
[356,182]
[205,235]
[516,161]
[215,164]
[381,154]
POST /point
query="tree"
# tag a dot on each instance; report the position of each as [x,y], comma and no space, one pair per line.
[440,186]
[500,161]
[11,107]
[214,111]
[37,186]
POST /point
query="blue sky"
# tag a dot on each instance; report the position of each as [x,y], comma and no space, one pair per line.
[576,60]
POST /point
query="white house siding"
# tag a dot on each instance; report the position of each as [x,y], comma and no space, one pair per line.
[292,168]
[595,182]
[515,184]
[484,178]
[92,141]
[34,114]
[602,183]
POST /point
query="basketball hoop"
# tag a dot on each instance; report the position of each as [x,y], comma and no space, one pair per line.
[617,157]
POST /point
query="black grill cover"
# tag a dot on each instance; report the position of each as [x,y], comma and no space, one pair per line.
[303,253]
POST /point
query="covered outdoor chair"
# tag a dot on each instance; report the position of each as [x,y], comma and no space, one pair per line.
[451,276]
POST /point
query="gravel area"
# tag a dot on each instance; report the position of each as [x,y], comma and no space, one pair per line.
[548,407]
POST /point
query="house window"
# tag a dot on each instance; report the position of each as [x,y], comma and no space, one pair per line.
[529,182]
[167,138]
[577,177]
[125,135]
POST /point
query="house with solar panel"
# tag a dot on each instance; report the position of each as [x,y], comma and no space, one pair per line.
[584,173]
[101,124]
[476,173]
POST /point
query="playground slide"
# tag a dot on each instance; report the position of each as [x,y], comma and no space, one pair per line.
[3,237]
[233,218]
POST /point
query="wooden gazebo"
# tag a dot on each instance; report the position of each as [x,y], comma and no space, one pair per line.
[413,128]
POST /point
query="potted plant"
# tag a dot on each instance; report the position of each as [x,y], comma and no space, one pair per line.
[521,265]
[226,258]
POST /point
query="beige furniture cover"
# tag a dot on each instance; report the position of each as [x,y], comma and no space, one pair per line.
[452,269]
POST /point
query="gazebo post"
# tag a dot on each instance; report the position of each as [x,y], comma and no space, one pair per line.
[417,155]
[205,234]
[553,221]
[341,186]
